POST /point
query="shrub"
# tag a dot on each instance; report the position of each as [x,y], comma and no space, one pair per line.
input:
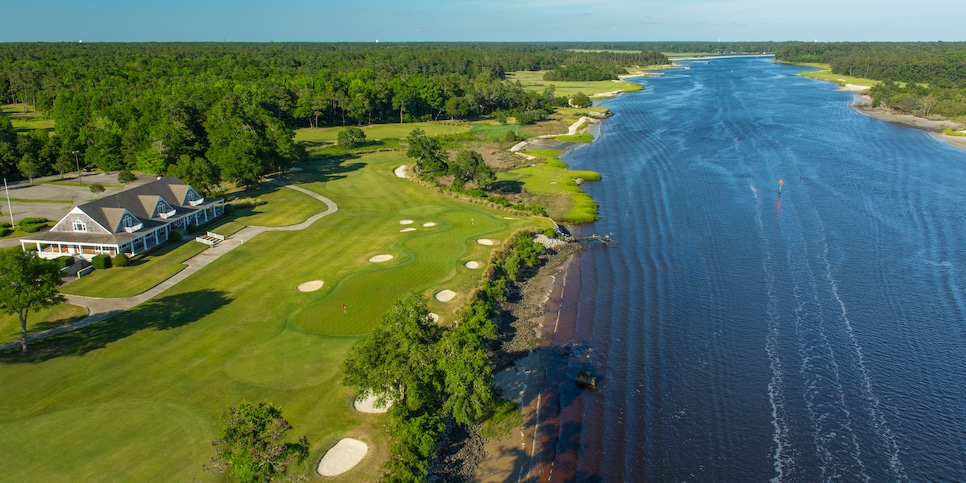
[510,137]
[97,188]
[191,228]
[4,231]
[125,177]
[30,221]
[33,227]
[229,209]
[101,261]
[174,236]
[4,224]
[64,261]
[120,260]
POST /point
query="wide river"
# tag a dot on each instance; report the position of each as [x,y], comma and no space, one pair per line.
[740,335]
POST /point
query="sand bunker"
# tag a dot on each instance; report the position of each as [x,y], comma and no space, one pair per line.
[310,286]
[406,222]
[434,316]
[407,230]
[402,171]
[368,405]
[380,258]
[342,457]
[472,265]
[445,295]
[485,241]
[429,224]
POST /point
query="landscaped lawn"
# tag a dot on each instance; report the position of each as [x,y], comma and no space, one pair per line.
[40,320]
[137,397]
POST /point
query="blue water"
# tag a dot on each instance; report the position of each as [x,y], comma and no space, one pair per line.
[740,336]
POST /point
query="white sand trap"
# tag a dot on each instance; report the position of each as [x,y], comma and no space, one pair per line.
[407,230]
[429,224]
[368,405]
[406,222]
[445,295]
[485,241]
[509,218]
[310,286]
[473,265]
[402,171]
[380,258]
[342,457]
[434,316]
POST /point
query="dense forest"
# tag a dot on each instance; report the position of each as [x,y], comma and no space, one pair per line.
[231,108]
[924,79]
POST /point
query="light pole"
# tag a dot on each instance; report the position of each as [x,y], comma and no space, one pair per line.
[76,162]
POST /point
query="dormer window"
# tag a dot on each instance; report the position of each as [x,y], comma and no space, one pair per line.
[163,207]
[128,222]
[79,225]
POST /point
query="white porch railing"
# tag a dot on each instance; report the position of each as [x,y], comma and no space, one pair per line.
[132,229]
[168,214]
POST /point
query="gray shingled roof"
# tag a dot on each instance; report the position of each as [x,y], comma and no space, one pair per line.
[139,201]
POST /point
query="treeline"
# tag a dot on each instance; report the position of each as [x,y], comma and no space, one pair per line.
[933,73]
[683,47]
[230,109]
[585,72]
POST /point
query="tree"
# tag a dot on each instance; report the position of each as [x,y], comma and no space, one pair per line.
[351,137]
[251,445]
[429,155]
[196,172]
[397,360]
[27,282]
[469,166]
[580,100]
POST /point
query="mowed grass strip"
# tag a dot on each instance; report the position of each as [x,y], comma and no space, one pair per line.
[328,135]
[28,121]
[533,81]
[137,397]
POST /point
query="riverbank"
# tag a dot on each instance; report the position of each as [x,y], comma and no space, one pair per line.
[936,127]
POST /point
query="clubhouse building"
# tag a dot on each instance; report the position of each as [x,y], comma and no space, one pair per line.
[132,221]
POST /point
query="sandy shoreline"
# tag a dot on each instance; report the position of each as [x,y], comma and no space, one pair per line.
[936,127]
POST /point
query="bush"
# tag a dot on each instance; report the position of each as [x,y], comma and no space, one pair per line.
[97,188]
[510,137]
[30,221]
[174,236]
[191,228]
[101,261]
[4,231]
[125,177]
[33,227]
[120,260]
[64,261]
[4,224]
[229,209]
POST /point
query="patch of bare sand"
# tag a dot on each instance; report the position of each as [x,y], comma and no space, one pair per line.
[368,405]
[402,171]
[445,295]
[342,457]
[310,286]
[486,241]
[473,265]
[407,230]
[406,222]
[380,258]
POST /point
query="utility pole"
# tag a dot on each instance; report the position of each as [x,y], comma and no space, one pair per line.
[76,162]
[9,206]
